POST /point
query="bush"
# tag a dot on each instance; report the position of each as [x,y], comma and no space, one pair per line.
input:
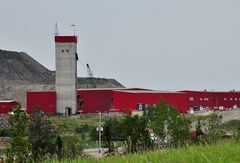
[72,147]
[42,136]
[168,124]
[83,128]
[233,124]
[4,132]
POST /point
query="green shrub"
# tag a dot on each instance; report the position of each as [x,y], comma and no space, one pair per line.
[4,132]
[72,147]
[83,128]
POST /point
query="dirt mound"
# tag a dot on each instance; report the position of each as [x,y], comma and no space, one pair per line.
[20,68]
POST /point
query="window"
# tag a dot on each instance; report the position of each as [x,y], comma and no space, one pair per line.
[67,51]
[205,99]
[200,99]
[140,107]
[191,98]
[62,50]
[235,99]
[231,99]
[225,99]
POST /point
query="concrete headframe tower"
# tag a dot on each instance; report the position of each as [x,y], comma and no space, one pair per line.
[66,74]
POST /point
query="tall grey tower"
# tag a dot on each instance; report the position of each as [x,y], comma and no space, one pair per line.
[66,74]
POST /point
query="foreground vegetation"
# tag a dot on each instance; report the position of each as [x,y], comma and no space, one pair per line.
[219,153]
[40,137]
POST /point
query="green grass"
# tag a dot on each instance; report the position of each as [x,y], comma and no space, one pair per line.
[2,152]
[194,118]
[81,119]
[69,124]
[67,127]
[218,153]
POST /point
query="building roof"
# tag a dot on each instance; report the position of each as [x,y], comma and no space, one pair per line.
[205,91]
[148,91]
[7,101]
[94,89]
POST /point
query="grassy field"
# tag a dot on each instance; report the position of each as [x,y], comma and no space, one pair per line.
[74,121]
[67,126]
[194,118]
[218,153]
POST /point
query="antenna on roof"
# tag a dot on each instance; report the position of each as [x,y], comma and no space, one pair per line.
[73,25]
[56,30]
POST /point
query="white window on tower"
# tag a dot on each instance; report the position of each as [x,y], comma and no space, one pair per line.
[205,99]
[191,98]
[200,99]
[235,99]
[231,99]
[225,99]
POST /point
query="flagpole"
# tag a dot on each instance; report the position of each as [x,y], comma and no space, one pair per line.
[73,25]
[74,30]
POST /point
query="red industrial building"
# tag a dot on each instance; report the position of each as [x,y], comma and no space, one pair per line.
[213,100]
[45,100]
[94,100]
[6,106]
[127,99]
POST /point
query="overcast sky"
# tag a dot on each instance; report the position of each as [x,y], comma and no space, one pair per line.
[159,44]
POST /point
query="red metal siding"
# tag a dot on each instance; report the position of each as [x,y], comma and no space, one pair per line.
[177,100]
[227,99]
[214,99]
[6,107]
[46,100]
[127,101]
[95,100]
[200,99]
[66,39]
[123,102]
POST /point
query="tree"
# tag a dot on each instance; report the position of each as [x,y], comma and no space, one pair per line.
[111,132]
[199,133]
[19,146]
[42,135]
[59,147]
[136,135]
[168,123]
[72,147]
[213,128]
